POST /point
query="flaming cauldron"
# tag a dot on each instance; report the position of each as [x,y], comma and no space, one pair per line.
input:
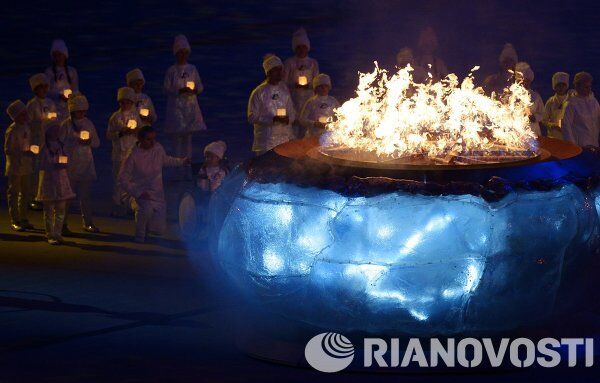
[424,209]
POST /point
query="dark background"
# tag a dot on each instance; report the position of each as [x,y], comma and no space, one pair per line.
[157,322]
[108,38]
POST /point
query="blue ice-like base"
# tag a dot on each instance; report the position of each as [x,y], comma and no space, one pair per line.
[401,262]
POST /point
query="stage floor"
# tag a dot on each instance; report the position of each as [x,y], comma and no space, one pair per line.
[102,308]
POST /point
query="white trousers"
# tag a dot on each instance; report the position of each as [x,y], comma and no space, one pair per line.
[54,216]
[149,215]
[18,194]
[117,192]
[83,190]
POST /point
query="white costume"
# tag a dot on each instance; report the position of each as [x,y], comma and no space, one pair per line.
[537,111]
[61,78]
[537,108]
[210,177]
[429,62]
[142,100]
[295,67]
[316,107]
[54,181]
[123,141]
[183,111]
[81,163]
[81,168]
[554,109]
[123,138]
[18,165]
[581,120]
[17,140]
[264,102]
[183,115]
[496,83]
[54,189]
[142,174]
[41,112]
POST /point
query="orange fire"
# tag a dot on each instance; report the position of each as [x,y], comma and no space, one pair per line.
[393,117]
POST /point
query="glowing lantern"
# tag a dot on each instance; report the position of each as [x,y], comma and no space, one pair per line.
[63,160]
[144,112]
[35,149]
[281,112]
[191,85]
[302,80]
[323,119]
[132,124]
[84,135]
[52,115]
[67,93]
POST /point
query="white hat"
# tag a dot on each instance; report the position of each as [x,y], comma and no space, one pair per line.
[217,148]
[321,79]
[405,55]
[524,68]
[126,93]
[508,52]
[582,76]
[560,77]
[271,61]
[78,103]
[37,80]
[15,108]
[300,37]
[59,45]
[428,37]
[134,75]
[181,42]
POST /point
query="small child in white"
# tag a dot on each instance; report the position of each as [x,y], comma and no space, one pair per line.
[554,109]
[80,138]
[183,85]
[213,171]
[18,151]
[210,175]
[54,189]
[525,75]
[319,108]
[123,127]
[299,72]
[42,110]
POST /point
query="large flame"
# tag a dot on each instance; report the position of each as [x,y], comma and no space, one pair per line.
[396,117]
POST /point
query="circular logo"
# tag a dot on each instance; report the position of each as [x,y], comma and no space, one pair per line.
[329,352]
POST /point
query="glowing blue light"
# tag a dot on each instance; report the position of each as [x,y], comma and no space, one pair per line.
[284,214]
[435,224]
[393,295]
[385,232]
[419,315]
[413,263]
[472,278]
[272,262]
